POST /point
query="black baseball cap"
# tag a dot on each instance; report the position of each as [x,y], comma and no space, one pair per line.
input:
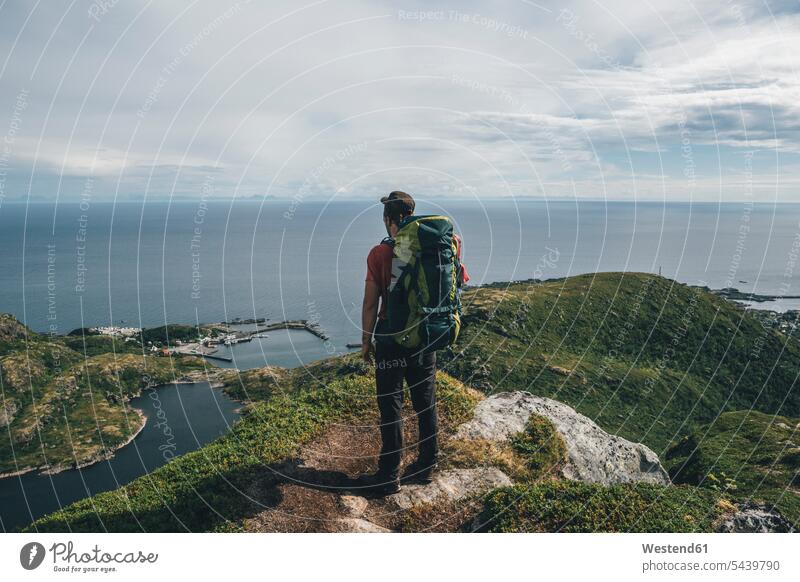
[398,202]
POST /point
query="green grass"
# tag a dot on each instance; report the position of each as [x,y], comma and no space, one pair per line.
[541,447]
[207,490]
[79,414]
[12,334]
[537,453]
[749,455]
[94,345]
[570,506]
[643,356]
[68,400]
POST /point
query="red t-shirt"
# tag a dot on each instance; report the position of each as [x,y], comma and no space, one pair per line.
[379,270]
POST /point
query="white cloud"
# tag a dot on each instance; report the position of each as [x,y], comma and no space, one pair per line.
[600,98]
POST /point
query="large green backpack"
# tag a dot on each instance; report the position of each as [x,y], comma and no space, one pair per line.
[424,307]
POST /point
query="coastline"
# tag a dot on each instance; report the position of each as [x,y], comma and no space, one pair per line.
[109,453]
[216,377]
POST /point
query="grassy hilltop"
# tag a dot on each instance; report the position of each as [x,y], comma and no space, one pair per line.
[643,356]
[692,376]
[63,400]
[745,454]
[225,485]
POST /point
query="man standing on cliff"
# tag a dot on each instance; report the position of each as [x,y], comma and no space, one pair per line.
[394,364]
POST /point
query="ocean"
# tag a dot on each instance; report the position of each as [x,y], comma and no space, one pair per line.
[144,264]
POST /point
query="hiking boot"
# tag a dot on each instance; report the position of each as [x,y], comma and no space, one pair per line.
[419,472]
[375,485]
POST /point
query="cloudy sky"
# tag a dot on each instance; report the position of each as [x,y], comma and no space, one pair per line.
[610,99]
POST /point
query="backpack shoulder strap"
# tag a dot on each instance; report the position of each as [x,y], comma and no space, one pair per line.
[388,241]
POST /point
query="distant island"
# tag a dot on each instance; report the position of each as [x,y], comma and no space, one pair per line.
[735,295]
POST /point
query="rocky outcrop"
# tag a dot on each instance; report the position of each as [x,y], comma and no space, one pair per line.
[310,499]
[216,377]
[314,492]
[447,487]
[8,409]
[10,328]
[452,485]
[593,454]
[756,518]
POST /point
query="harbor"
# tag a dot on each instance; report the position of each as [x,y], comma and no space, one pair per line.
[229,334]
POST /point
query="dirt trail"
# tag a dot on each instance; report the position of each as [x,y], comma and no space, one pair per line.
[315,493]
[310,494]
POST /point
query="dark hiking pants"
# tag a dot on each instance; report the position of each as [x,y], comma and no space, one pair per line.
[393,364]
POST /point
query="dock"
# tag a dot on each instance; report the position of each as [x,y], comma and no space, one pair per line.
[296,324]
[231,336]
[220,358]
[195,349]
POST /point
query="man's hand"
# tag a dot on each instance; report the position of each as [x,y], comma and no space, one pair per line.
[367,351]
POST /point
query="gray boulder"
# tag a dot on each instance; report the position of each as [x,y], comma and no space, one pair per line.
[756,518]
[451,485]
[594,455]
